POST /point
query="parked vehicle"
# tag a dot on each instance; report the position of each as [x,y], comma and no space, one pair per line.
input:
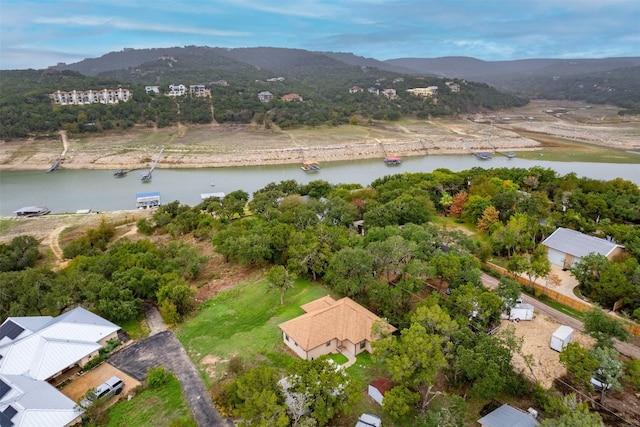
[111,387]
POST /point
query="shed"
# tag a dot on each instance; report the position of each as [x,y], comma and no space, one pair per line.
[508,416]
[561,338]
[378,388]
[147,200]
[566,247]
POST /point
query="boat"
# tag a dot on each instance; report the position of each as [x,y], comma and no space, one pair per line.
[119,172]
[32,211]
[213,184]
[393,160]
[146,176]
[310,166]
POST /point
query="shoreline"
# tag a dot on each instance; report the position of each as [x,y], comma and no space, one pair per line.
[209,157]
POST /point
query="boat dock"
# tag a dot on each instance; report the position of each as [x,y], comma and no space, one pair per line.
[393,160]
[508,154]
[310,166]
[55,164]
[148,200]
[485,155]
[146,176]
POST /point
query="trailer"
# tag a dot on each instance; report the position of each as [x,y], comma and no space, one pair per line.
[522,311]
[561,338]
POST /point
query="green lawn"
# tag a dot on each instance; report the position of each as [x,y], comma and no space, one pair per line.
[243,321]
[157,407]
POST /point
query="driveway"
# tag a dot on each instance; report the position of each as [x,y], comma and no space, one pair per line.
[164,349]
[79,386]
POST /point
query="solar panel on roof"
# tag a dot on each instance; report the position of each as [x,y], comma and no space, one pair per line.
[4,388]
[4,421]
[10,329]
[10,411]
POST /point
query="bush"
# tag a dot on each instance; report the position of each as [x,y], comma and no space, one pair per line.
[158,376]
[632,373]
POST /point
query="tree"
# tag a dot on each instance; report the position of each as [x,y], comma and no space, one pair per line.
[538,264]
[279,280]
[257,398]
[489,217]
[604,328]
[326,388]
[579,363]
[413,360]
[457,204]
[609,371]
[509,290]
[572,413]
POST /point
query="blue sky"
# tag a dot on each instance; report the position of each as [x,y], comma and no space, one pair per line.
[39,33]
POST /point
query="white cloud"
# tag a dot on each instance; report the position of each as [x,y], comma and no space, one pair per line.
[113,22]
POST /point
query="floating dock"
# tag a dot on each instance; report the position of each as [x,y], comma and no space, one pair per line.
[483,155]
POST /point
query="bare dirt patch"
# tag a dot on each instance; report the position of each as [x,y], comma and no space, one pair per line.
[537,338]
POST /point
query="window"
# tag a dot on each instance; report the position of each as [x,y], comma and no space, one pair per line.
[286,337]
[328,343]
[363,343]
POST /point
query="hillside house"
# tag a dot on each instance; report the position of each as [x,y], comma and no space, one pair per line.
[330,326]
[265,96]
[152,89]
[566,247]
[85,97]
[424,91]
[38,351]
[291,97]
[390,93]
[177,90]
[454,87]
[199,91]
[355,89]
[374,90]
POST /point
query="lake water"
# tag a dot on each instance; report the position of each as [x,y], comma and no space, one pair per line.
[98,190]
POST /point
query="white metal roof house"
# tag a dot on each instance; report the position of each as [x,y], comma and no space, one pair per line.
[509,416]
[566,247]
[35,351]
[25,402]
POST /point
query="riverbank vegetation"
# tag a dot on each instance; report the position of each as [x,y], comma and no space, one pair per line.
[378,245]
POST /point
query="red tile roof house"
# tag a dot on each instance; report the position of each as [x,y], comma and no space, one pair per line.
[330,326]
[291,97]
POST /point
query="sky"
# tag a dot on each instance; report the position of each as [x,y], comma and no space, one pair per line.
[41,33]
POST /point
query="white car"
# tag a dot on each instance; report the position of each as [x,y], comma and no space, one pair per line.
[111,387]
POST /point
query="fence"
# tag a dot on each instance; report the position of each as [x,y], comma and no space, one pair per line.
[557,296]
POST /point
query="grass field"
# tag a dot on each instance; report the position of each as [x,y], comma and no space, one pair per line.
[158,407]
[244,322]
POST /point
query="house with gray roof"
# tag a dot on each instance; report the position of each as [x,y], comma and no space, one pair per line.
[566,247]
[36,352]
[508,416]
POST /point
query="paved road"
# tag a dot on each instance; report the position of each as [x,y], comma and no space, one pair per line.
[624,348]
[164,349]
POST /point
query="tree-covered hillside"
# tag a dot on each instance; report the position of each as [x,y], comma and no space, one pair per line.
[321,81]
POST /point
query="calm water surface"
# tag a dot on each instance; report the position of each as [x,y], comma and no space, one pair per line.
[71,190]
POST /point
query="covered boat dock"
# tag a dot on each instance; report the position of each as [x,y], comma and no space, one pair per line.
[148,200]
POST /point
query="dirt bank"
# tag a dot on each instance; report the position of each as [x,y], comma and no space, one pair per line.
[525,128]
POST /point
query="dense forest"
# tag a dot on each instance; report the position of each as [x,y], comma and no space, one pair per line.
[619,87]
